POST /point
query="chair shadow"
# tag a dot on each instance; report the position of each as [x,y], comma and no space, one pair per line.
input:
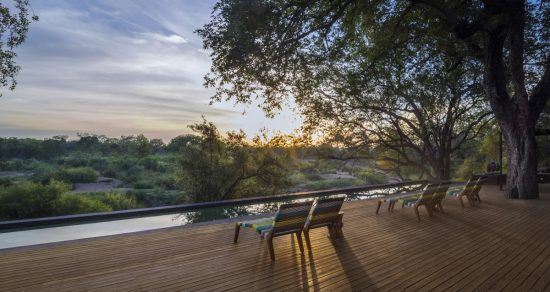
[314,276]
[299,263]
[354,271]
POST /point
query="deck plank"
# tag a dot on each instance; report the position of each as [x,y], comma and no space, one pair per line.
[500,244]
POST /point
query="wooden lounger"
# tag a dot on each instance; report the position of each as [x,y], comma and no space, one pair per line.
[424,199]
[325,213]
[439,195]
[465,192]
[474,195]
[289,219]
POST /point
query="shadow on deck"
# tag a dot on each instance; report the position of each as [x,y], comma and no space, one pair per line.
[500,244]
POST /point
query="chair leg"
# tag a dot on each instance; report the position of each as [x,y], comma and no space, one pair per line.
[237,229]
[378,207]
[417,212]
[429,209]
[300,243]
[339,229]
[308,241]
[390,205]
[330,230]
[270,246]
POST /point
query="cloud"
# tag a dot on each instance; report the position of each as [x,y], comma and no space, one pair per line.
[118,68]
[171,39]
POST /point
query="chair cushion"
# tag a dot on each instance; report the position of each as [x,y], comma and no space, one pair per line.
[261,226]
[408,202]
[454,192]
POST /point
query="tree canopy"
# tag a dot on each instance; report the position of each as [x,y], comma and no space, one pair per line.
[215,167]
[14,26]
[332,56]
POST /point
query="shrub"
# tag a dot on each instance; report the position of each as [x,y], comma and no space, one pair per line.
[469,166]
[109,171]
[313,176]
[70,203]
[167,181]
[13,164]
[5,182]
[118,201]
[371,177]
[76,175]
[30,199]
[43,174]
[143,185]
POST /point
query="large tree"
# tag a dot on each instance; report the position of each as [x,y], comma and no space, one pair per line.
[276,49]
[14,25]
[217,167]
[418,110]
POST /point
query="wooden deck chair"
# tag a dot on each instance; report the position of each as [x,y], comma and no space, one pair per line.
[474,194]
[464,192]
[424,199]
[392,202]
[325,213]
[439,195]
[289,219]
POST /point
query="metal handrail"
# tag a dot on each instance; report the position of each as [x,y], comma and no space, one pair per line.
[105,216]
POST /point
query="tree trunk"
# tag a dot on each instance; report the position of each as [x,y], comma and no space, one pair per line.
[516,116]
[521,174]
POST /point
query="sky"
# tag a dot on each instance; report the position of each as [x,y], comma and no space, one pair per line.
[120,68]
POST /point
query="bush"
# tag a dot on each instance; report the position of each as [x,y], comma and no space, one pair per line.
[43,174]
[155,197]
[143,185]
[469,166]
[313,176]
[117,201]
[5,182]
[371,177]
[76,175]
[167,181]
[77,204]
[12,165]
[30,199]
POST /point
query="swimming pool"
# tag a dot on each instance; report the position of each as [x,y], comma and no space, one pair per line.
[58,233]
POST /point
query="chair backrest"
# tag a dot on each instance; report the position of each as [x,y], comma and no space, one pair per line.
[477,187]
[291,216]
[428,193]
[470,185]
[325,210]
[441,192]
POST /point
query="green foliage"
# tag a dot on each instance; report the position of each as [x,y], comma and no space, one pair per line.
[156,198]
[469,166]
[117,201]
[76,175]
[78,204]
[370,177]
[14,26]
[219,168]
[30,200]
[142,185]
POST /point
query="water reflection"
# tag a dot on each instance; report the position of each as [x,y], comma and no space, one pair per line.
[229,212]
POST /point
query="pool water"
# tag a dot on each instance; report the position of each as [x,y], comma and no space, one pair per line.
[88,230]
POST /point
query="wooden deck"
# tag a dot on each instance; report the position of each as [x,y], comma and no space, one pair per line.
[499,245]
